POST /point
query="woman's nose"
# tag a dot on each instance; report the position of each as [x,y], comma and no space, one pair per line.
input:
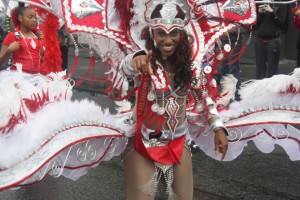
[168,38]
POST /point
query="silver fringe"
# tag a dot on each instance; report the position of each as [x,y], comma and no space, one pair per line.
[167,171]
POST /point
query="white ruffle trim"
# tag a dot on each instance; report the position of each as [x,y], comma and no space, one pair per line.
[47,123]
[64,138]
[264,137]
[265,115]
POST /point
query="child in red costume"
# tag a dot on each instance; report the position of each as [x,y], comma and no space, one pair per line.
[25,43]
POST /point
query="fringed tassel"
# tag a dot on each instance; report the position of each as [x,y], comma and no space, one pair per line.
[110,94]
[76,58]
[150,187]
[92,68]
[242,51]
[106,66]
[142,95]
[87,72]
[74,66]
[117,82]
[166,171]
[239,54]
[90,73]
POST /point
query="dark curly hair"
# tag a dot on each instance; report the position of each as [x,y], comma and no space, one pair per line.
[182,56]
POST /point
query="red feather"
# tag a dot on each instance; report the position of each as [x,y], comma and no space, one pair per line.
[124,7]
[52,58]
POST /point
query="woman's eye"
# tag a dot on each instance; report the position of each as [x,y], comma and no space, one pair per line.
[174,33]
[161,34]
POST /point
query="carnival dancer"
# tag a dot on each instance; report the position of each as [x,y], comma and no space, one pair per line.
[165,77]
[173,91]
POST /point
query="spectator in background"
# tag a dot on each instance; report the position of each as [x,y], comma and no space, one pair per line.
[2,36]
[270,20]
[296,12]
[231,65]
[64,49]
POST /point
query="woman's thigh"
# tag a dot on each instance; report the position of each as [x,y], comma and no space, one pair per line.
[138,171]
[183,176]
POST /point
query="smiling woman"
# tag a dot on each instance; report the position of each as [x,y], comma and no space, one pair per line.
[166,78]
[174,93]
[166,43]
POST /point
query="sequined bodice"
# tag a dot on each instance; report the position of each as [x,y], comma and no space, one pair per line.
[175,106]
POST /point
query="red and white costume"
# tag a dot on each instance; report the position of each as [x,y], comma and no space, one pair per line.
[112,28]
[28,55]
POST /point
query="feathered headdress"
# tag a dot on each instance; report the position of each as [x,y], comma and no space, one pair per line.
[170,14]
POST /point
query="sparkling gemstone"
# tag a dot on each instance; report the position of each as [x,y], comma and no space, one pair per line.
[108,54]
[214,82]
[227,47]
[220,56]
[150,96]
[207,69]
[199,107]
[155,107]
[161,111]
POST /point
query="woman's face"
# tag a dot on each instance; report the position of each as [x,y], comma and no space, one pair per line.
[28,19]
[166,43]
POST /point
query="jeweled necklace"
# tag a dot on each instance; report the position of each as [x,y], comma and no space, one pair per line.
[167,67]
[33,44]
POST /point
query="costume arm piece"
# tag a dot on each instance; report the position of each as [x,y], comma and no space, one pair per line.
[126,67]
[214,121]
[209,110]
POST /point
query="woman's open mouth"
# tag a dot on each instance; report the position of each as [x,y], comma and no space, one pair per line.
[168,48]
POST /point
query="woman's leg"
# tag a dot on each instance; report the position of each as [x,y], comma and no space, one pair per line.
[138,171]
[183,176]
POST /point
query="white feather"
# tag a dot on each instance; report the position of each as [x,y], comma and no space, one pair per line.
[26,138]
[15,86]
[271,91]
[228,85]
[267,93]
[122,106]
